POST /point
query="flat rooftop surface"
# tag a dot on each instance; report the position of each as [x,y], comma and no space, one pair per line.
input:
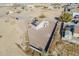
[39,38]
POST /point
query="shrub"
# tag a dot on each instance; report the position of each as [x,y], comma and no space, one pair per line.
[0,36]
[42,16]
[45,7]
[66,17]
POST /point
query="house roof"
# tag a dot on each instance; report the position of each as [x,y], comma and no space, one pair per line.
[75,13]
[76,26]
[41,38]
[76,29]
[75,10]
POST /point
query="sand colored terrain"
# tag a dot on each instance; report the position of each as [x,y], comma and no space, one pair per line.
[12,30]
[8,40]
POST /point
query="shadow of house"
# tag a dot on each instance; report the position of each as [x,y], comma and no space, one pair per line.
[50,38]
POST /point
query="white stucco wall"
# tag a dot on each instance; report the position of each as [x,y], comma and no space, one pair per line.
[76,35]
[42,24]
[68,35]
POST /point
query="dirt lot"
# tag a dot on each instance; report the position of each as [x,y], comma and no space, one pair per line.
[12,30]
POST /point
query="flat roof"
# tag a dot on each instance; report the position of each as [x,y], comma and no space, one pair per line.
[41,38]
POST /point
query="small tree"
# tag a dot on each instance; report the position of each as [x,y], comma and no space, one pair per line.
[64,17]
[42,16]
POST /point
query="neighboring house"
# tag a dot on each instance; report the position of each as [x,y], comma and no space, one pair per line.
[68,34]
[75,5]
[75,17]
[76,31]
[71,33]
[39,24]
[56,6]
[68,31]
[71,7]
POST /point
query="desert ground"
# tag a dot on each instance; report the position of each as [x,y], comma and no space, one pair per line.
[12,30]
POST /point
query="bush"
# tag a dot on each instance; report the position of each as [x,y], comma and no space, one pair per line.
[0,36]
[42,16]
[22,7]
[45,7]
[66,17]
[37,6]
[18,11]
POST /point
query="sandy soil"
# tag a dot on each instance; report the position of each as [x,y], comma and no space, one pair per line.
[8,39]
[12,30]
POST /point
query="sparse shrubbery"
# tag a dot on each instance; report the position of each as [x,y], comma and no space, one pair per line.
[0,36]
[42,16]
[22,7]
[45,7]
[18,11]
[37,6]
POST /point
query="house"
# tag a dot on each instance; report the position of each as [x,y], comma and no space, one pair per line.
[40,40]
[75,5]
[75,18]
[71,7]
[68,34]
[76,31]
[68,31]
[38,24]
[71,33]
[75,15]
